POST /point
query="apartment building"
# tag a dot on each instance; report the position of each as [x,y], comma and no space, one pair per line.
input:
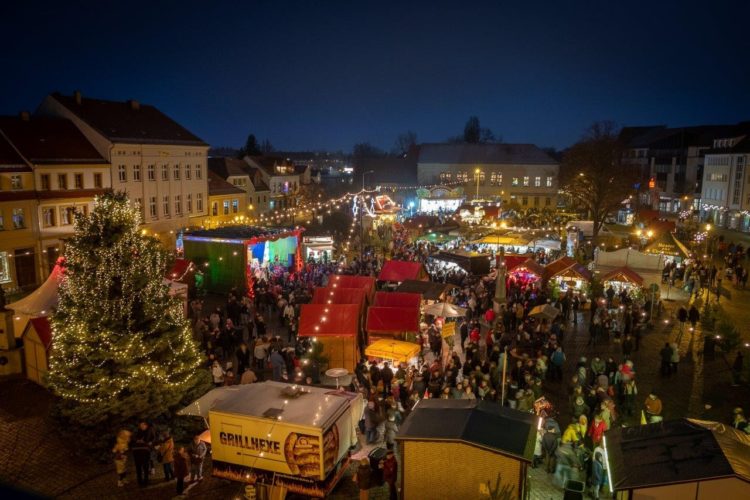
[281,177]
[160,165]
[725,193]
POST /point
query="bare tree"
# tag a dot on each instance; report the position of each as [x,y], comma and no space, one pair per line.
[404,142]
[592,173]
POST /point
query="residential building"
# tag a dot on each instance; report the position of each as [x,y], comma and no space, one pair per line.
[68,173]
[281,176]
[18,227]
[227,204]
[520,175]
[725,194]
[262,202]
[237,173]
[156,161]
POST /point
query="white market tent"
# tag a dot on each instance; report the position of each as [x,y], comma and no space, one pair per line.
[41,301]
[627,257]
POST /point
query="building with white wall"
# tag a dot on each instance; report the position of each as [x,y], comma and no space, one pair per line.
[725,194]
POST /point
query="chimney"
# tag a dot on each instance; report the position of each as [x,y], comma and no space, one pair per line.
[24,116]
[134,104]
[77,96]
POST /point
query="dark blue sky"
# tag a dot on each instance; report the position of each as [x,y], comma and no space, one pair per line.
[327,74]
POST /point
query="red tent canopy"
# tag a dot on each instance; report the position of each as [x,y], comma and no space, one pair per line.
[339,295]
[623,274]
[512,261]
[401,270]
[531,266]
[398,299]
[329,320]
[392,319]
[367,283]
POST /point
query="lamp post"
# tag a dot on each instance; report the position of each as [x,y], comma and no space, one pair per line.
[361,220]
[708,230]
[476,174]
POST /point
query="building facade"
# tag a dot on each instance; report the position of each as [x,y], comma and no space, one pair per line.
[281,177]
[520,175]
[157,162]
[227,204]
[725,194]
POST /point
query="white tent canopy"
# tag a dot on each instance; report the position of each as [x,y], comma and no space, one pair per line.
[41,301]
[630,258]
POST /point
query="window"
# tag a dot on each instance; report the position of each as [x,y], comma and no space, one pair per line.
[165,206]
[547,201]
[19,221]
[151,173]
[515,181]
[177,205]
[122,173]
[536,200]
[164,173]
[67,215]
[62,181]
[136,172]
[235,206]
[198,172]
[176,172]
[549,181]
[537,181]
[496,179]
[152,207]
[199,202]
[98,180]
[16,182]
[445,177]
[187,172]
[525,200]
[226,207]
[78,181]
[525,180]
[215,208]
[44,181]
[48,216]
[189,200]
[738,174]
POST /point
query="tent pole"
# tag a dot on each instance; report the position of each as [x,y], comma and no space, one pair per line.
[505,368]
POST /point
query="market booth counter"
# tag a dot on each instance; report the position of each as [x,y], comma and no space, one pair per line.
[294,438]
[677,459]
[393,350]
[337,328]
[451,448]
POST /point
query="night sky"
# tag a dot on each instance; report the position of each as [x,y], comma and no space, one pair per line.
[328,74]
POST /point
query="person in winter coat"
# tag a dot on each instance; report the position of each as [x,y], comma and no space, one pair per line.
[598,477]
[181,470]
[277,365]
[580,407]
[550,443]
[675,359]
[166,454]
[363,478]
[390,474]
[197,455]
[653,408]
[121,455]
[217,372]
[143,443]
[629,392]
[597,429]
[391,430]
[371,423]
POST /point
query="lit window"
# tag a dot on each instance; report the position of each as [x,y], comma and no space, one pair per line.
[4,268]
[526,181]
[226,207]
[136,172]
[515,181]
[48,217]
[16,182]
[151,172]
[19,221]
[549,181]
[235,206]
[122,173]
[67,215]
[537,181]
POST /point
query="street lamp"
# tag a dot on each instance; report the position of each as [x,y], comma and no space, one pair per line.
[708,229]
[650,233]
[476,174]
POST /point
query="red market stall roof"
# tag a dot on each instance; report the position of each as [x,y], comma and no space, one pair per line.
[400,270]
[512,261]
[339,295]
[392,319]
[531,266]
[43,330]
[367,283]
[566,266]
[329,320]
[624,274]
[397,299]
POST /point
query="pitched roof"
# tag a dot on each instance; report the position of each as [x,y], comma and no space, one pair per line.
[484,154]
[482,423]
[623,273]
[218,186]
[129,121]
[42,139]
[268,164]
[10,160]
[43,330]
[227,167]
[255,178]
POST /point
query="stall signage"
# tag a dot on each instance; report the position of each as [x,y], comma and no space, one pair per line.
[449,330]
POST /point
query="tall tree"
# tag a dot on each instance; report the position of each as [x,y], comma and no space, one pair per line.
[592,173]
[251,147]
[366,150]
[122,346]
[404,142]
[472,130]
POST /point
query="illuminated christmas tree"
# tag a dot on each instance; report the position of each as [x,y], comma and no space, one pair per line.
[122,347]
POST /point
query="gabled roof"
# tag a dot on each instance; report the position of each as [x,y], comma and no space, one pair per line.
[129,121]
[623,274]
[476,422]
[10,160]
[43,329]
[484,154]
[255,178]
[329,320]
[268,164]
[218,186]
[227,167]
[42,139]
[400,270]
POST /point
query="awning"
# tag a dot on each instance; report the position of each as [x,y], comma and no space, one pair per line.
[428,289]
[437,238]
[329,320]
[394,350]
[43,330]
[505,240]
[445,310]
[392,319]
[339,295]
[41,301]
[401,270]
[471,262]
[623,274]
[397,299]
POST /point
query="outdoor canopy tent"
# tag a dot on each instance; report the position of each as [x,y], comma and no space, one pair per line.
[682,458]
[445,310]
[529,266]
[667,244]
[401,270]
[471,262]
[339,295]
[428,289]
[630,258]
[41,301]
[397,299]
[366,283]
[334,320]
[394,350]
[392,320]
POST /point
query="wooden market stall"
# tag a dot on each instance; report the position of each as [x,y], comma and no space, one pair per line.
[391,321]
[474,263]
[392,350]
[567,273]
[622,278]
[427,289]
[337,328]
[494,439]
[37,340]
[400,270]
[682,458]
[366,283]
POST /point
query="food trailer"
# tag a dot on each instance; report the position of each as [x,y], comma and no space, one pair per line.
[287,436]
